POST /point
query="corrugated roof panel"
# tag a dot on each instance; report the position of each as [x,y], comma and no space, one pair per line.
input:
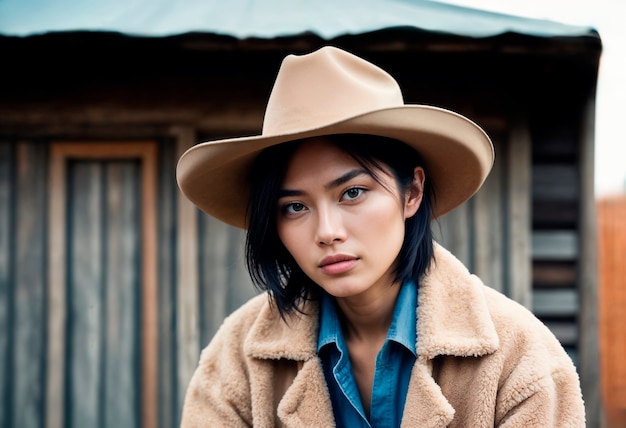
[264,18]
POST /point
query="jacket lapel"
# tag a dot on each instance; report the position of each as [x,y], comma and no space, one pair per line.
[425,405]
[453,316]
[453,319]
[307,402]
[294,338]
[302,396]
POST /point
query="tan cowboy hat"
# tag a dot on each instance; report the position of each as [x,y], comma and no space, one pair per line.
[327,92]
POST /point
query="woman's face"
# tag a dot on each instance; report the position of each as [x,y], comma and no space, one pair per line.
[342,227]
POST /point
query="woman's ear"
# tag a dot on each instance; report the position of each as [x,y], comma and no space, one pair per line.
[415,193]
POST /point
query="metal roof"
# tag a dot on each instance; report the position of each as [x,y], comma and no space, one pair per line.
[265,18]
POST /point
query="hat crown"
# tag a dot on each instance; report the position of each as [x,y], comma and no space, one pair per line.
[325,87]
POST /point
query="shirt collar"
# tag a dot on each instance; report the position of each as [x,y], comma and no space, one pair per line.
[403,328]
[330,328]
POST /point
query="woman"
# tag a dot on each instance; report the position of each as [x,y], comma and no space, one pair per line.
[366,321]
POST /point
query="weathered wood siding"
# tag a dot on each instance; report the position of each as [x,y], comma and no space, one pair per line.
[89,355]
[73,302]
[564,232]
[23,283]
[491,232]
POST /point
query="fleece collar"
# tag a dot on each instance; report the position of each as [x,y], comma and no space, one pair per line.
[453,319]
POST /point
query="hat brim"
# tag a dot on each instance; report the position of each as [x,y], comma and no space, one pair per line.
[457,155]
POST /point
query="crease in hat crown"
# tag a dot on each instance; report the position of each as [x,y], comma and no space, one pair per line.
[324,87]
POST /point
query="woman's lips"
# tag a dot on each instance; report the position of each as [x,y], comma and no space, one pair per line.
[337,264]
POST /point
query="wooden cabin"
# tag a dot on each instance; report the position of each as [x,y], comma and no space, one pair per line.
[111,283]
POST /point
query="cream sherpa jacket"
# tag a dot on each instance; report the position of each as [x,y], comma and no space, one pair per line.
[483,361]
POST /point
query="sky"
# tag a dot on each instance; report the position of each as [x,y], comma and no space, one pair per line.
[607,17]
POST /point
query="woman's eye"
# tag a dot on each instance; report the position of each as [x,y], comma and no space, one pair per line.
[353,193]
[294,208]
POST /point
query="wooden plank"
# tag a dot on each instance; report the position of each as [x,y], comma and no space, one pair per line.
[589,352]
[555,214]
[29,303]
[187,307]
[554,274]
[225,282]
[57,292]
[214,285]
[149,287]
[6,280]
[518,234]
[240,285]
[122,289]
[557,245]
[555,303]
[85,291]
[453,231]
[246,117]
[557,145]
[167,404]
[556,182]
[488,225]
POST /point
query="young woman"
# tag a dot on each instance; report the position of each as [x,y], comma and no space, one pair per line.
[365,320]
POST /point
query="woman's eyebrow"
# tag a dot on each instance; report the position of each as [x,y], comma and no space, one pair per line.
[284,193]
[344,178]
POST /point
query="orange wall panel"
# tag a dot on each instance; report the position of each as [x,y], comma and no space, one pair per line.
[612,311]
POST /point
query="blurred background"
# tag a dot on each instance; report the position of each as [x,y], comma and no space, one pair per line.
[111,283]
[610,148]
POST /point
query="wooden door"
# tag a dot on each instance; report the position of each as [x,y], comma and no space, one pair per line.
[102,339]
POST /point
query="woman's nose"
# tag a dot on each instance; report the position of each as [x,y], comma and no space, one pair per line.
[329,226]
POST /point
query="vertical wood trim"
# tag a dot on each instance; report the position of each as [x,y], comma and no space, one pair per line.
[588,285]
[146,152]
[187,308]
[167,287]
[55,390]
[519,164]
[6,280]
[29,281]
[150,316]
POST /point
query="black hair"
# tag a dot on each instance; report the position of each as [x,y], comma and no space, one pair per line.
[271,266]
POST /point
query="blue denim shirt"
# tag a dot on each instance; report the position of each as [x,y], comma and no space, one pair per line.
[393,365]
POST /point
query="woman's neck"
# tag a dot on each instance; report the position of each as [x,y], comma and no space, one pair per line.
[367,317]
